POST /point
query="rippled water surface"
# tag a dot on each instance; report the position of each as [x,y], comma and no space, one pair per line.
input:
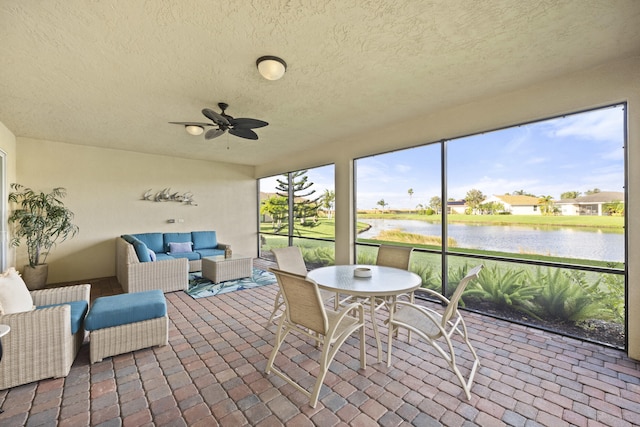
[567,242]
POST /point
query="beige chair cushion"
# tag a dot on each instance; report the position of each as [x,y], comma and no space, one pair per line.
[14,295]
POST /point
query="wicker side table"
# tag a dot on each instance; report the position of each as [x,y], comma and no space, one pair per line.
[219,269]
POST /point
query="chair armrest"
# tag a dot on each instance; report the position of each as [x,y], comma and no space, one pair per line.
[223,246]
[435,294]
[344,312]
[61,295]
[35,323]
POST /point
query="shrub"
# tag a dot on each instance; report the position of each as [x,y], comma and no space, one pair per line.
[430,278]
[505,288]
[567,297]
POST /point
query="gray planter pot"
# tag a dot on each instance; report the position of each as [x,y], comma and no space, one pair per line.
[35,277]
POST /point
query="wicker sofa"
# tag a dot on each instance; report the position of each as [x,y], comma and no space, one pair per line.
[41,344]
[137,271]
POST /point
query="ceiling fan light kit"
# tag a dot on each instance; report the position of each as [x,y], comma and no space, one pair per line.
[194,130]
[271,67]
[223,122]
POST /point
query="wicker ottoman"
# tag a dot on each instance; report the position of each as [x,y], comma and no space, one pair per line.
[127,322]
[220,269]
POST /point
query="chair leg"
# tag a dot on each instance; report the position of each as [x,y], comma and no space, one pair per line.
[412,300]
[392,330]
[279,302]
[363,349]
[279,340]
[325,360]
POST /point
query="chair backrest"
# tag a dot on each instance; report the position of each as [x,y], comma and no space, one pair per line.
[290,259]
[452,308]
[394,256]
[302,300]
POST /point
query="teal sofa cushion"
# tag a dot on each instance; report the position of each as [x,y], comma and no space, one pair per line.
[142,251]
[78,312]
[161,256]
[191,256]
[175,238]
[210,252]
[123,309]
[204,240]
[152,240]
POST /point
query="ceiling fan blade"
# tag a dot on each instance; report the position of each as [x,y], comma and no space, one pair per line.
[243,123]
[191,124]
[217,118]
[243,133]
[213,133]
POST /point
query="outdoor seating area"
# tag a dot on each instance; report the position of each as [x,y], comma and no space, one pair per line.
[320,213]
[212,373]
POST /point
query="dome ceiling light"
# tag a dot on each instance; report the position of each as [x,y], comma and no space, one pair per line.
[271,67]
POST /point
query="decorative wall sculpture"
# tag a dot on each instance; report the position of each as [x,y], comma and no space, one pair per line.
[167,196]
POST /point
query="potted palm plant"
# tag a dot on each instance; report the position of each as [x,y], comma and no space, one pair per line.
[41,220]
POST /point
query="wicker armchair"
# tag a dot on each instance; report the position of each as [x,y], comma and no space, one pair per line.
[40,344]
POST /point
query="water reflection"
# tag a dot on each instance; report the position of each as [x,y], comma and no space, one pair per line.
[580,243]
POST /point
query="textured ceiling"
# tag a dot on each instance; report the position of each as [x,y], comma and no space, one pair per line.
[113,73]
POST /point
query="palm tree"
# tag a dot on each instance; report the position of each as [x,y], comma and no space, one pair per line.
[328,199]
[410,191]
[546,205]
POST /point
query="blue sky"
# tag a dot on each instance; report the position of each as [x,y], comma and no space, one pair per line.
[572,153]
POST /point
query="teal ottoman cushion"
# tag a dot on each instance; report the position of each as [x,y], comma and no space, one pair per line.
[78,311]
[123,309]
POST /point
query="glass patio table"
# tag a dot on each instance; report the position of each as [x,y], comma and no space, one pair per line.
[384,282]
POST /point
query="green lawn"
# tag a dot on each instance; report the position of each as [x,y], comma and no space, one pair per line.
[322,229]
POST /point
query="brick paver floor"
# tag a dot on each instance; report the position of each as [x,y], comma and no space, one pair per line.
[212,373]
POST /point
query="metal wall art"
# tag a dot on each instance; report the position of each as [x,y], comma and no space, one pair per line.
[167,196]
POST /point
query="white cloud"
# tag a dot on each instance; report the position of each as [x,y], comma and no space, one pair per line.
[599,125]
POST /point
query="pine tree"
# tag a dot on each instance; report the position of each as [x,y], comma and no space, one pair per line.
[304,206]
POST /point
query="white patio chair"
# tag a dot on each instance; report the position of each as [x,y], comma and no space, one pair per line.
[306,314]
[432,326]
[290,259]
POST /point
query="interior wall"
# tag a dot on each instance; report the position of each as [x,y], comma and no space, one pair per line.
[603,85]
[8,146]
[105,189]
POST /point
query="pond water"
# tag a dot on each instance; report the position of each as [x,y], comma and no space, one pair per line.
[570,242]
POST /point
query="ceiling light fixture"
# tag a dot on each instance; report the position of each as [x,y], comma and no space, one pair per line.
[271,67]
[194,130]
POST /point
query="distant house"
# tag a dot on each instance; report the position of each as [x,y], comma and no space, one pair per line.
[517,205]
[591,204]
[456,206]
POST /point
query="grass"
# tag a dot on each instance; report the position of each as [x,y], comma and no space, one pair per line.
[323,228]
[400,236]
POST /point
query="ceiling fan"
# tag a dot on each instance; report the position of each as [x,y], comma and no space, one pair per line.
[241,127]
